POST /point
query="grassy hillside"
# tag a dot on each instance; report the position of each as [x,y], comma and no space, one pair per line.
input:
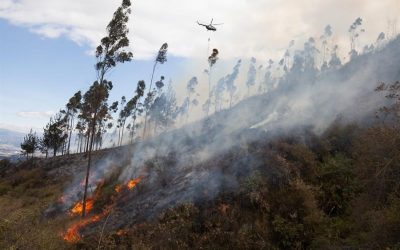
[337,190]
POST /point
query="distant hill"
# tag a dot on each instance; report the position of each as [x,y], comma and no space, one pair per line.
[9,137]
[10,142]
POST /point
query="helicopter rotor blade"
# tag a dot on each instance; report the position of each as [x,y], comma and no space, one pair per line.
[212,19]
[218,24]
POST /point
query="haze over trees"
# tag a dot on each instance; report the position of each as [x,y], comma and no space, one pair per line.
[251,75]
[72,108]
[89,117]
[190,100]
[161,58]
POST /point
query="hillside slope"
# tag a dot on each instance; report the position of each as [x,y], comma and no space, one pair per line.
[187,160]
[305,165]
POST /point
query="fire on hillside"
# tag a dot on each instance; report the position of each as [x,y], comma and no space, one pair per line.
[72,234]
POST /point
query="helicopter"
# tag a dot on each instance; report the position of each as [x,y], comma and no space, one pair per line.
[210,27]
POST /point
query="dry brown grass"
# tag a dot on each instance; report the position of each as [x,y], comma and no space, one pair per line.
[25,197]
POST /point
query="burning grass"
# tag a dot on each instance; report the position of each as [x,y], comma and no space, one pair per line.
[72,235]
[132,183]
[78,207]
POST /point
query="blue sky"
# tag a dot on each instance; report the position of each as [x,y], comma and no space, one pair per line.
[38,75]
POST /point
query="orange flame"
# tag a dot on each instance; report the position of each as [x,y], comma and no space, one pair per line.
[132,183]
[121,232]
[72,235]
[78,207]
[118,188]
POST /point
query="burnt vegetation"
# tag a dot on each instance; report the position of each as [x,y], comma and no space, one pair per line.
[339,189]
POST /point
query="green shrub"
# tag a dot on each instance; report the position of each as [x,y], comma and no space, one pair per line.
[295,218]
[4,188]
[337,184]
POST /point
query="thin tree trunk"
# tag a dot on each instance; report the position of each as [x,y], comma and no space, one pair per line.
[70,134]
[188,109]
[99,141]
[122,134]
[151,83]
[64,146]
[216,101]
[81,144]
[101,78]
[79,149]
[133,128]
[77,143]
[119,135]
[88,166]
[84,145]
[87,141]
